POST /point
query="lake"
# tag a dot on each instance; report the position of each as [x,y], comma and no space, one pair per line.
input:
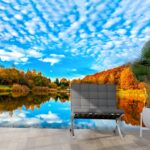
[53,111]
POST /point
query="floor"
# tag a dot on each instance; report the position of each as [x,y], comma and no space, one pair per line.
[60,139]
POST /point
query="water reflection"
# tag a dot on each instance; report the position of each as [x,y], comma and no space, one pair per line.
[132,103]
[11,102]
[53,110]
[50,110]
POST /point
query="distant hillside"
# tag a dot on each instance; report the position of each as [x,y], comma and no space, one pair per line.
[121,76]
[10,77]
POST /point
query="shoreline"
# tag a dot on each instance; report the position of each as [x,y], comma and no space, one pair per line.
[9,89]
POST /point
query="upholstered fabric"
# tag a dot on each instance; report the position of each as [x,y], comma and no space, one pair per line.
[95,98]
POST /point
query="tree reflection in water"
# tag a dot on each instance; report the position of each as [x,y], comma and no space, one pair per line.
[11,102]
[132,104]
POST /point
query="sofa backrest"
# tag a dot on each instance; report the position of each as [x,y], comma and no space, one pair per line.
[87,97]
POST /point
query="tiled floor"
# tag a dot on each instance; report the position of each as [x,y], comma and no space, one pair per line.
[60,139]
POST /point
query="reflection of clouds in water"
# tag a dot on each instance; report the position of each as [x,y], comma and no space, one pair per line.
[100,124]
[104,123]
[58,117]
[22,119]
[65,108]
[110,124]
[21,115]
[18,119]
[84,124]
[94,124]
[49,105]
[32,122]
[50,117]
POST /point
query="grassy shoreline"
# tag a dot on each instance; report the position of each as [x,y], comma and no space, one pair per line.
[5,88]
[39,89]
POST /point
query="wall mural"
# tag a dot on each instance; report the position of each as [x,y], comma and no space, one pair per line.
[47,45]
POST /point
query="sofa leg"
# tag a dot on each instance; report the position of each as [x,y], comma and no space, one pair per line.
[141,118]
[115,128]
[118,127]
[72,125]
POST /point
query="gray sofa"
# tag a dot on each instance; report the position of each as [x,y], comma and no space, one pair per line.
[94,101]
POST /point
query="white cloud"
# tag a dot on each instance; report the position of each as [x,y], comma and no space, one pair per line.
[100,7]
[17,7]
[74,69]
[30,27]
[111,22]
[34,53]
[72,18]
[2,8]
[11,30]
[18,17]
[7,1]
[52,61]
[86,33]
[61,35]
[91,27]
[19,55]
[50,117]
[108,45]
[52,37]
[42,27]
[57,55]
[10,56]
[81,7]
[5,18]
[121,31]
[25,59]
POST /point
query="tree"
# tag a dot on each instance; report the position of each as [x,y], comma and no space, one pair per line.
[57,82]
[22,81]
[34,72]
[40,81]
[111,78]
[10,76]
[39,74]
[128,80]
[29,74]
[64,82]
[146,51]
[53,85]
[141,67]
[30,83]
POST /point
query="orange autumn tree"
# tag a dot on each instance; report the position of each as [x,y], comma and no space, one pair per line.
[122,76]
[111,78]
[130,92]
[128,80]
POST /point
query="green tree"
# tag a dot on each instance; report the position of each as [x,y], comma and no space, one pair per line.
[141,67]
[64,83]
[57,82]
[146,51]
[53,85]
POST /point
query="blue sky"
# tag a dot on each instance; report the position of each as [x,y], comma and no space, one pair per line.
[72,38]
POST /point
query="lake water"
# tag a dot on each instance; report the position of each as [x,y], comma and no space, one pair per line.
[49,111]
